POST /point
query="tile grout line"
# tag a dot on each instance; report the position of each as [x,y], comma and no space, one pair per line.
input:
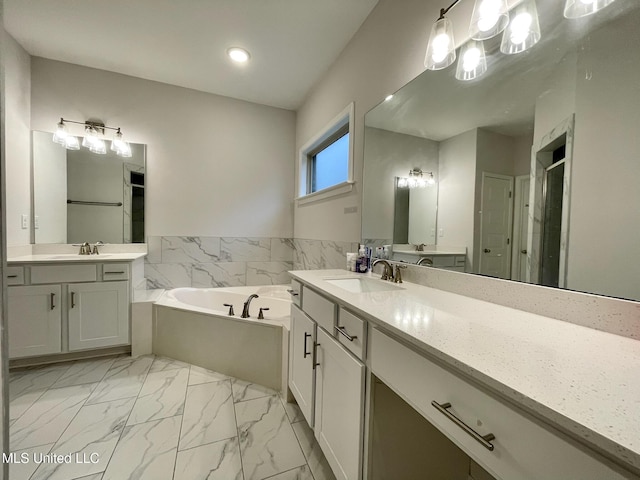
[235,419]
[306,460]
[184,409]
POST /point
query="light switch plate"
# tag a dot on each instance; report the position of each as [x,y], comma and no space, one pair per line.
[24,221]
[36,221]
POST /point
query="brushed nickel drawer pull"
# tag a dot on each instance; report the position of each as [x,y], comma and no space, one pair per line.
[315,355]
[53,300]
[114,273]
[342,331]
[73,299]
[485,440]
[293,293]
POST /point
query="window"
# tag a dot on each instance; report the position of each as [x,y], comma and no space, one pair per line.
[330,162]
[326,161]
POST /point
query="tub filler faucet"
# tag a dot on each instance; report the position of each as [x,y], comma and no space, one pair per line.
[245,309]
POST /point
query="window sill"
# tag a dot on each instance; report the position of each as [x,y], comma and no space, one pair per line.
[335,190]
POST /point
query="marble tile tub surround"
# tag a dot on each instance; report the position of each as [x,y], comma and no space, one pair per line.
[321,254]
[173,421]
[218,261]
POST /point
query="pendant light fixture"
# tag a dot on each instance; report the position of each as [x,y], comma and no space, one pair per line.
[523,31]
[582,8]
[490,18]
[93,138]
[441,49]
[472,62]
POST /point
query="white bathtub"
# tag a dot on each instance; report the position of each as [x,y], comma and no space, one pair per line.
[193,325]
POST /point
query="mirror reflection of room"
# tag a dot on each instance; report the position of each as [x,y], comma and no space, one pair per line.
[531,185]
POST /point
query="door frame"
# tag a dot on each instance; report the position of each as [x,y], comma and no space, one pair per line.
[509,226]
[519,198]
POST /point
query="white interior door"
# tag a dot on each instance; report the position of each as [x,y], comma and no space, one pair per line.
[520,228]
[495,225]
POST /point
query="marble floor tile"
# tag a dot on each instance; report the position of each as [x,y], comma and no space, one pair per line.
[27,386]
[166,363]
[49,416]
[293,411]
[95,430]
[23,471]
[123,380]
[85,371]
[214,461]
[267,443]
[146,451]
[248,391]
[312,452]
[300,473]
[97,476]
[162,396]
[200,375]
[208,415]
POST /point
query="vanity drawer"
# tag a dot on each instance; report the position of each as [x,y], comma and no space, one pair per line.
[321,310]
[353,327]
[523,448]
[63,273]
[296,292]
[443,261]
[15,276]
[115,271]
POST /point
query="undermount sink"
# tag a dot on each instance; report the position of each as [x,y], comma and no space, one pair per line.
[362,285]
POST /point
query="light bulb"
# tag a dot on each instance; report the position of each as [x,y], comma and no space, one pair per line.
[472,62]
[431,181]
[524,30]
[441,50]
[490,17]
[582,8]
[72,143]
[118,145]
[60,134]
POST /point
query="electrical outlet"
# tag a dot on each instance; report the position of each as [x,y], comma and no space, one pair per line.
[441,232]
[25,221]
[36,221]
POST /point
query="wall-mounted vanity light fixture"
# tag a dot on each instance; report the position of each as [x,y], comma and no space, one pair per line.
[416,179]
[490,18]
[93,138]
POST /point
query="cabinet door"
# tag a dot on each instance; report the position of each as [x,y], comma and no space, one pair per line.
[98,315]
[34,320]
[339,407]
[301,371]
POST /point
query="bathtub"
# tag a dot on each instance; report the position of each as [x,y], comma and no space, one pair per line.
[193,325]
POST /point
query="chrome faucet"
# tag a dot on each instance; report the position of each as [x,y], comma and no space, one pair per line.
[387,273]
[95,251]
[85,249]
[398,276]
[245,309]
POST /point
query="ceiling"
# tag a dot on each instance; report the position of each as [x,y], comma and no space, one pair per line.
[292,42]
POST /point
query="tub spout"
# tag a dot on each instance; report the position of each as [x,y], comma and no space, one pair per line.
[245,309]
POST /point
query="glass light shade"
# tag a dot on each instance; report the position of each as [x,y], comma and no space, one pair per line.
[61,134]
[441,50]
[98,147]
[523,31]
[118,145]
[490,17]
[90,137]
[472,62]
[582,8]
[403,182]
[72,143]
[431,181]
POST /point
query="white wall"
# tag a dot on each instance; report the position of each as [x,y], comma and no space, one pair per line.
[522,154]
[215,166]
[456,192]
[390,155]
[604,228]
[49,189]
[17,78]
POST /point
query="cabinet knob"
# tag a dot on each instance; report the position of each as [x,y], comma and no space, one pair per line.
[487,250]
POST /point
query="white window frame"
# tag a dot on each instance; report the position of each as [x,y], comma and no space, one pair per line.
[346,117]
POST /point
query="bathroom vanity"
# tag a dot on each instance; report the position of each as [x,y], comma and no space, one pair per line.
[66,303]
[521,395]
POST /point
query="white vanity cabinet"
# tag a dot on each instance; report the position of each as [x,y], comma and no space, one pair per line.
[328,382]
[98,314]
[64,307]
[34,320]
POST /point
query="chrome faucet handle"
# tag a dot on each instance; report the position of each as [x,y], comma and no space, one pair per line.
[95,251]
[260,314]
[398,275]
[231,312]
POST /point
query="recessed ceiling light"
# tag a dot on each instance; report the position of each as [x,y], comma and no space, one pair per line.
[388,97]
[237,54]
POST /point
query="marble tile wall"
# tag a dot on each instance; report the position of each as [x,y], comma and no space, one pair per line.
[321,254]
[217,261]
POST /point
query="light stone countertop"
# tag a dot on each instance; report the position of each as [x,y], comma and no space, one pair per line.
[582,380]
[75,258]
